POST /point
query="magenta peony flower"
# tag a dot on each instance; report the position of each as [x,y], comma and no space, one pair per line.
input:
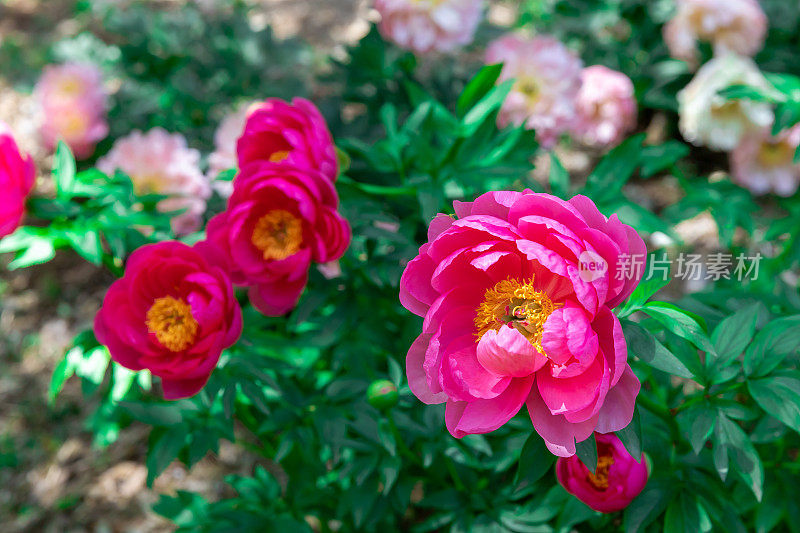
[17,174]
[295,134]
[513,315]
[160,163]
[173,313]
[606,107]
[424,26]
[618,479]
[548,78]
[278,220]
[738,26]
[224,155]
[764,163]
[73,103]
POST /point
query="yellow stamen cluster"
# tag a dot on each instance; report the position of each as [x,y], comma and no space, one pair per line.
[278,234]
[277,157]
[171,321]
[517,303]
[600,477]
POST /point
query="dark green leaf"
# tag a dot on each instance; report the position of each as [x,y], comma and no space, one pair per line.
[642,344]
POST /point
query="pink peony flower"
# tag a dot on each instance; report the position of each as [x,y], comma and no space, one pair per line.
[160,163]
[606,107]
[511,318]
[224,155]
[295,134]
[278,220]
[738,26]
[17,174]
[173,313]
[548,78]
[73,103]
[618,479]
[424,26]
[764,163]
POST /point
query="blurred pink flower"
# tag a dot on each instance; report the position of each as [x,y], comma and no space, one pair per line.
[548,78]
[160,163]
[424,26]
[73,103]
[606,107]
[617,480]
[17,174]
[710,119]
[737,26]
[224,155]
[510,319]
[764,163]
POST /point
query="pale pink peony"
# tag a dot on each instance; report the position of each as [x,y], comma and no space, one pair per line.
[224,155]
[511,319]
[424,26]
[710,119]
[738,26]
[73,103]
[160,163]
[606,107]
[548,78]
[17,174]
[765,163]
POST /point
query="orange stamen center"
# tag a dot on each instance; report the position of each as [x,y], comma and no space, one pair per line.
[277,157]
[515,303]
[278,234]
[171,321]
[599,479]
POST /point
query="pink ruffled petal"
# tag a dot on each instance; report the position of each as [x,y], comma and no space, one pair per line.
[507,352]
[483,416]
[559,435]
[620,402]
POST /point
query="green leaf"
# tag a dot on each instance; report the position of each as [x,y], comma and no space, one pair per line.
[477,88]
[485,107]
[86,243]
[40,250]
[534,460]
[154,414]
[680,322]
[643,292]
[685,513]
[631,435]
[771,345]
[615,169]
[646,506]
[661,157]
[698,422]
[779,396]
[63,371]
[733,334]
[559,177]
[163,449]
[642,344]
[731,442]
[64,171]
[586,450]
